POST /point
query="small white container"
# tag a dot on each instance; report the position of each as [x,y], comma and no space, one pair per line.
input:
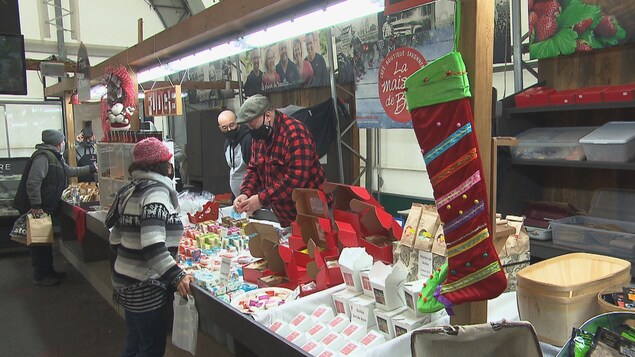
[612,142]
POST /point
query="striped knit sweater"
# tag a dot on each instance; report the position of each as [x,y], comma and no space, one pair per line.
[146,239]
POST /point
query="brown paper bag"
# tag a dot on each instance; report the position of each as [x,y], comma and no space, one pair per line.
[439,247]
[39,230]
[517,243]
[410,227]
[428,225]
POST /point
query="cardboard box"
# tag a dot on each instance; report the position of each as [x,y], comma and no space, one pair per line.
[272,281]
[541,97]
[385,323]
[565,97]
[352,261]
[590,95]
[342,196]
[264,244]
[341,301]
[411,292]
[312,202]
[346,234]
[376,222]
[406,322]
[295,241]
[367,288]
[317,229]
[324,269]
[362,310]
[256,270]
[387,282]
[379,247]
[302,257]
[620,93]
[526,97]
[295,272]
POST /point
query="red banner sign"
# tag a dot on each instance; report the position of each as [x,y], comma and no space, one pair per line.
[392,6]
[398,65]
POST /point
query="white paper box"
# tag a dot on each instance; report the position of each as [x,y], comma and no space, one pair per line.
[351,261]
[341,299]
[406,322]
[354,331]
[387,283]
[313,347]
[372,338]
[366,287]
[323,313]
[301,322]
[338,323]
[385,321]
[317,332]
[296,337]
[411,292]
[351,349]
[280,327]
[333,341]
[362,310]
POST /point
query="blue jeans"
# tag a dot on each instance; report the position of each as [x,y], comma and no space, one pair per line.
[146,333]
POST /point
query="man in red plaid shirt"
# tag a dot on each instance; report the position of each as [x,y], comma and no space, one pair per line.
[283,157]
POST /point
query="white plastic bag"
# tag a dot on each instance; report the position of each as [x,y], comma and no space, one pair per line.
[185,326]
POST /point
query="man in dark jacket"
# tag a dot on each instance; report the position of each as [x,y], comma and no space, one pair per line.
[40,191]
[237,148]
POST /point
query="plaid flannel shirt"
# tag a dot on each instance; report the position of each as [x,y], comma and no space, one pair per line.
[285,160]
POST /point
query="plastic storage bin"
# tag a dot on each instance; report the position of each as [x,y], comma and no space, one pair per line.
[560,293]
[551,143]
[612,142]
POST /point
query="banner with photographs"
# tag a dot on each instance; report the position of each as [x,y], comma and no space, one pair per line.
[564,27]
[203,99]
[298,62]
[377,45]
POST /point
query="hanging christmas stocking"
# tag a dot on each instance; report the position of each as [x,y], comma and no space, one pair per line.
[443,124]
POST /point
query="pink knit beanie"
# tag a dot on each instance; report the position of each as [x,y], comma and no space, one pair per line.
[151,151]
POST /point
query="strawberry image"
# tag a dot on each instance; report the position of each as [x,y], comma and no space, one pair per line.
[545,28]
[533,19]
[607,27]
[583,46]
[582,26]
[547,8]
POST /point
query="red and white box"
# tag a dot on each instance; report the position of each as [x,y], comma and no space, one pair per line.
[385,321]
[341,301]
[323,313]
[362,310]
[352,261]
[317,332]
[351,349]
[296,337]
[338,323]
[334,341]
[280,327]
[313,347]
[354,331]
[301,322]
[372,339]
[367,288]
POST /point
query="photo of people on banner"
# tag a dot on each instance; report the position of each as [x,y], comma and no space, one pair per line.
[378,52]
[298,62]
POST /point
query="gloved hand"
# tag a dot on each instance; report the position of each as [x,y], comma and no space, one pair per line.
[36,212]
[93,168]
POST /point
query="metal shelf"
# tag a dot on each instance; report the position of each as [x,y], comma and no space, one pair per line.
[571,107]
[580,164]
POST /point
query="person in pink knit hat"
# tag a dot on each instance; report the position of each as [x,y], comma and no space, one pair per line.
[145,237]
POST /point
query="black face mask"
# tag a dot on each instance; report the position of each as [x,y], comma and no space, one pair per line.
[231,134]
[262,132]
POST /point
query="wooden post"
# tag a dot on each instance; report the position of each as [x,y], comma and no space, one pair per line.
[140,30]
[477,48]
[134,121]
[70,132]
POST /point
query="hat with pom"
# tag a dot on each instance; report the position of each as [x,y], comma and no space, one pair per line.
[151,151]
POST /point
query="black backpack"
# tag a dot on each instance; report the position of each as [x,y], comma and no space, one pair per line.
[89,158]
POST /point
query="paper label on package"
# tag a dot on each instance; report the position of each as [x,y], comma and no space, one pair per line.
[339,306]
[326,354]
[293,335]
[329,338]
[298,320]
[348,279]
[319,311]
[309,346]
[315,329]
[350,329]
[425,265]
[225,268]
[400,331]
[359,314]
[348,349]
[366,283]
[368,339]
[276,326]
[336,321]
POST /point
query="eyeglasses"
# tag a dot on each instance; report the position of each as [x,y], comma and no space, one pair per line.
[226,128]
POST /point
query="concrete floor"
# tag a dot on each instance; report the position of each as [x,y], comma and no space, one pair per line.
[71,319]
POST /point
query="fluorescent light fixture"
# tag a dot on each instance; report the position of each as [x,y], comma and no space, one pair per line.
[319,19]
[331,16]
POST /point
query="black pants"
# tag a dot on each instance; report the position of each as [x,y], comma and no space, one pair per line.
[42,260]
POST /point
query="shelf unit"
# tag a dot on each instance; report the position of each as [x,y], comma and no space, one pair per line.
[114,160]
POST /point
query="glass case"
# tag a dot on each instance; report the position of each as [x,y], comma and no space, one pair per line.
[10,175]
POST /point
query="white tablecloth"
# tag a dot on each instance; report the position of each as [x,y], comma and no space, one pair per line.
[503,307]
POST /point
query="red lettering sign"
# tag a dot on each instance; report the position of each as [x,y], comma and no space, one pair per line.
[398,65]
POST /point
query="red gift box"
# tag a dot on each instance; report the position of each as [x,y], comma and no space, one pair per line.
[620,93]
[295,273]
[296,242]
[590,95]
[256,270]
[525,98]
[346,234]
[565,97]
[540,98]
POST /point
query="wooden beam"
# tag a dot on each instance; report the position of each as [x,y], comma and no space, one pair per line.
[70,132]
[187,85]
[477,46]
[60,89]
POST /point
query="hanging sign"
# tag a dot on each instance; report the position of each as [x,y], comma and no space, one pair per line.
[163,101]
[398,65]
[392,6]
